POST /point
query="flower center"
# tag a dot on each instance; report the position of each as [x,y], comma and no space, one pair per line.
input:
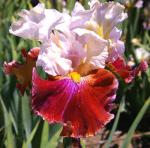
[75,76]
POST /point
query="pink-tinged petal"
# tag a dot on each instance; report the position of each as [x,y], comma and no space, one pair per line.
[125,71]
[80,16]
[23,72]
[115,34]
[36,23]
[53,56]
[97,51]
[139,4]
[81,107]
[116,49]
[77,8]
[106,15]
[109,15]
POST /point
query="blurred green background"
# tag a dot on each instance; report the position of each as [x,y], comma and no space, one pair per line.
[130,128]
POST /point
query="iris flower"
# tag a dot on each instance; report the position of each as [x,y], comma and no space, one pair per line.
[100,22]
[75,51]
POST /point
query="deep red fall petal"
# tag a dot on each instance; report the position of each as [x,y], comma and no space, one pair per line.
[125,71]
[81,107]
[23,72]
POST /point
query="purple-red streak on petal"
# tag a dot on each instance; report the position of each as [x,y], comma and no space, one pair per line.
[80,107]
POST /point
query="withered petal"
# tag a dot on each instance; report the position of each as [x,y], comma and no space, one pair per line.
[23,72]
[125,71]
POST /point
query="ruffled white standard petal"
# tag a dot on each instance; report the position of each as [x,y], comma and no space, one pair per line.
[37,23]
[77,9]
[116,49]
[109,15]
[51,60]
[116,46]
[101,19]
[97,51]
[61,55]
[64,27]
[93,3]
[80,16]
[115,34]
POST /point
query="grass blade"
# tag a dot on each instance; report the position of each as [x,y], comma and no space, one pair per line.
[26,115]
[45,135]
[13,122]
[30,137]
[121,108]
[135,124]
[70,4]
[55,135]
[10,139]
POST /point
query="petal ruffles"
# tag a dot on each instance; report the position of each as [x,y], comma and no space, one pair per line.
[36,23]
[81,107]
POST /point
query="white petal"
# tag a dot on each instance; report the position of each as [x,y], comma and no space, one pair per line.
[77,54]
[104,15]
[142,54]
[93,3]
[80,16]
[87,33]
[71,48]
[116,49]
[97,51]
[64,26]
[115,34]
[77,8]
[60,55]
[94,62]
[52,62]
[36,23]
[109,15]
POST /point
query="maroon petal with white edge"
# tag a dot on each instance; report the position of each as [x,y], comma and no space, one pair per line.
[82,107]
